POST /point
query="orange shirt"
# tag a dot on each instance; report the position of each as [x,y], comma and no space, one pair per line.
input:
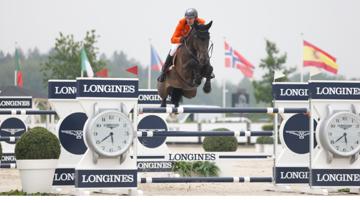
[182,29]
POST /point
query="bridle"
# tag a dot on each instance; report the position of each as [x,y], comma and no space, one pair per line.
[191,53]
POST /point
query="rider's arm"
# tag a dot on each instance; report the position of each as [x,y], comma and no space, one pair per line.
[175,39]
[201,21]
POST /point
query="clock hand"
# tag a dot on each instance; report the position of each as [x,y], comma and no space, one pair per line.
[345,138]
[105,138]
[112,137]
[339,138]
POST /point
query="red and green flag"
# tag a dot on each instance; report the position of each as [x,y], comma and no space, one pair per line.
[18,70]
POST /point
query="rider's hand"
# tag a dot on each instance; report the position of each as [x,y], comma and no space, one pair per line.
[182,40]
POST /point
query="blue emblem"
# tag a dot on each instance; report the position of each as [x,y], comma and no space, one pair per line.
[71,133]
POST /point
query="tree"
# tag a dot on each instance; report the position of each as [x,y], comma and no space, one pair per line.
[271,63]
[64,60]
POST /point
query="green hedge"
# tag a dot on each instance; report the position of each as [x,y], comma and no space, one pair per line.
[196,168]
[220,143]
[264,140]
[37,143]
[268,127]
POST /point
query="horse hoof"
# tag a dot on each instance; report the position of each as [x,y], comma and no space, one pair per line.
[207,88]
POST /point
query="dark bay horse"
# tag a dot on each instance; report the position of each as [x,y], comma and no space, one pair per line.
[191,65]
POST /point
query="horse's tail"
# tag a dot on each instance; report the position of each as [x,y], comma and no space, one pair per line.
[176,96]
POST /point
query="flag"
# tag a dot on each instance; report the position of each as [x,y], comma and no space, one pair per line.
[314,71]
[18,70]
[85,64]
[278,74]
[156,63]
[133,70]
[233,59]
[104,73]
[314,56]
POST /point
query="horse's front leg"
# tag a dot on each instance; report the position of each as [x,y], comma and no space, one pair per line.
[163,102]
[208,74]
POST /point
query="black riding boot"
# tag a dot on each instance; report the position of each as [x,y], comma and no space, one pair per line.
[165,67]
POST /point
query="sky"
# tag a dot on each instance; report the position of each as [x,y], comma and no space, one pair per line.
[131,25]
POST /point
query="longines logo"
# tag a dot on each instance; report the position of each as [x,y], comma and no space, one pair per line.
[108,178]
[64,177]
[77,133]
[109,88]
[337,91]
[301,134]
[293,92]
[192,157]
[65,90]
[328,177]
[154,165]
[17,103]
[12,131]
[8,158]
[294,175]
[149,97]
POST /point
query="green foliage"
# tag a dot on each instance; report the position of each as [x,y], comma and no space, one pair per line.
[37,143]
[205,168]
[271,63]
[183,168]
[64,61]
[345,190]
[265,140]
[220,143]
[197,168]
[268,127]
[21,193]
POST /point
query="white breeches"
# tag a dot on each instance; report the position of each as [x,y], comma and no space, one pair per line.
[173,49]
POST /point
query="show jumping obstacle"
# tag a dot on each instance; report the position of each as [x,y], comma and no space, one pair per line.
[129,99]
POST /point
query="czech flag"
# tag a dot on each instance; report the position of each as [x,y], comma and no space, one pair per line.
[314,56]
[156,63]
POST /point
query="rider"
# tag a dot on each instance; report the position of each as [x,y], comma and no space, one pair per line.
[181,31]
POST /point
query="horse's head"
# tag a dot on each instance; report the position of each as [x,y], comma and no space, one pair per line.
[198,41]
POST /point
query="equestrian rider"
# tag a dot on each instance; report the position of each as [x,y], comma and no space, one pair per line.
[181,31]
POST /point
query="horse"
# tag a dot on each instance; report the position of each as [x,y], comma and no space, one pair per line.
[190,65]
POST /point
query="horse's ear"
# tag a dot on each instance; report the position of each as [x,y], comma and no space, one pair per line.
[207,26]
[196,26]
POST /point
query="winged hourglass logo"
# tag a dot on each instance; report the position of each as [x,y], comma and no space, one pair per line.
[12,131]
[301,134]
[77,133]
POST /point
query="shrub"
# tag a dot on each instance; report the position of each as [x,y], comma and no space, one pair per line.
[220,143]
[37,143]
[197,168]
[268,127]
[264,140]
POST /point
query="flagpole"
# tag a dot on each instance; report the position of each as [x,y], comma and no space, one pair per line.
[15,75]
[302,58]
[149,70]
[224,93]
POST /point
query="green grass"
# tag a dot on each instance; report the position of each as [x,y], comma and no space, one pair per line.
[21,193]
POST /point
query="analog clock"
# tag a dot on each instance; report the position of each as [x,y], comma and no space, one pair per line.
[340,134]
[110,133]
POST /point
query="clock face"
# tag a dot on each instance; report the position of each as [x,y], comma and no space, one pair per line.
[342,133]
[111,133]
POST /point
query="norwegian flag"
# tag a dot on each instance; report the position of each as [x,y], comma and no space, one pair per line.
[233,59]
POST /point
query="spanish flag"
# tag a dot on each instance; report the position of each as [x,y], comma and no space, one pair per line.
[314,56]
